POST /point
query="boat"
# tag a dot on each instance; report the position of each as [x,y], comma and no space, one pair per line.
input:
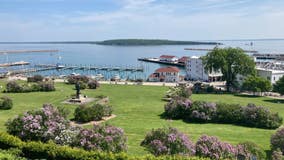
[75,74]
[59,66]
[116,77]
[99,77]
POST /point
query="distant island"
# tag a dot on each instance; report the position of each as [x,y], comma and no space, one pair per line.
[151,42]
[124,42]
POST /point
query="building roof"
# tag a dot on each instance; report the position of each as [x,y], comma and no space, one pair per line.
[183,59]
[153,75]
[275,71]
[167,69]
[167,56]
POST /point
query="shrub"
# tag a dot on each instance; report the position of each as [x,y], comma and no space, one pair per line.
[260,117]
[75,79]
[93,84]
[277,140]
[104,138]
[212,147]
[68,136]
[202,111]
[44,124]
[177,108]
[6,103]
[179,91]
[251,150]
[13,87]
[228,113]
[96,112]
[168,141]
[82,85]
[46,86]
[277,155]
[35,78]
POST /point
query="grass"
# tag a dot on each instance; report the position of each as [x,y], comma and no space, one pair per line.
[138,110]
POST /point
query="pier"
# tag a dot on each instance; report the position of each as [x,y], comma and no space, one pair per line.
[156,60]
[26,51]
[208,50]
[20,63]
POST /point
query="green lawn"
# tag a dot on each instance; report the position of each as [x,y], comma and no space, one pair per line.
[138,109]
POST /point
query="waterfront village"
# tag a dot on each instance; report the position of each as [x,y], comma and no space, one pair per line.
[198,114]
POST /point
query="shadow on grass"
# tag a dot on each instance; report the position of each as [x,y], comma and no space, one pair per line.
[274,100]
[246,96]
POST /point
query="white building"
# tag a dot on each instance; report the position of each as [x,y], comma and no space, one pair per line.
[270,74]
[166,74]
[168,58]
[195,71]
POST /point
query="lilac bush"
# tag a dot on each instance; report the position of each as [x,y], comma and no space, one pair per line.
[261,117]
[178,108]
[168,141]
[202,111]
[102,138]
[68,136]
[277,140]
[44,124]
[212,147]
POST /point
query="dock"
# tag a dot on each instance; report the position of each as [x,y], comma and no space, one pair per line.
[208,50]
[156,60]
[27,51]
[269,56]
[20,63]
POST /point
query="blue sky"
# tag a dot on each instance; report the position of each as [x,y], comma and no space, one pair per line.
[57,20]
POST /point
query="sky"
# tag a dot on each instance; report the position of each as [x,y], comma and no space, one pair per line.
[95,20]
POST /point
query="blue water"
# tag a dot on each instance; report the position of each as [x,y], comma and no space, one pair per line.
[99,55]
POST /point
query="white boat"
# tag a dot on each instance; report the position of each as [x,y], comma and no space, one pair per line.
[116,77]
[75,74]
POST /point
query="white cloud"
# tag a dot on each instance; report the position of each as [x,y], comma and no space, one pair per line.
[206,19]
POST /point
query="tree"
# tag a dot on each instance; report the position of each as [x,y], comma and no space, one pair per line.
[256,84]
[231,62]
[279,86]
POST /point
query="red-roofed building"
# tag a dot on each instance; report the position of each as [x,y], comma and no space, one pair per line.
[168,58]
[165,74]
[183,60]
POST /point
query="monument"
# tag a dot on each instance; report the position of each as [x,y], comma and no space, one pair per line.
[78,99]
[77,87]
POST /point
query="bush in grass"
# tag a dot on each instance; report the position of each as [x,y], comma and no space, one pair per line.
[6,103]
[93,84]
[168,141]
[103,138]
[96,112]
[44,124]
[277,140]
[177,108]
[68,136]
[179,91]
[228,113]
[35,78]
[202,111]
[212,147]
[46,86]
[82,85]
[261,117]
[250,149]
[13,87]
[277,155]
[75,79]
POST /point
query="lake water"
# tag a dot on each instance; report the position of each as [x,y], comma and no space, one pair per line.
[99,55]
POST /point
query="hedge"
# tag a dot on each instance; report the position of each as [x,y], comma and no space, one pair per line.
[39,150]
